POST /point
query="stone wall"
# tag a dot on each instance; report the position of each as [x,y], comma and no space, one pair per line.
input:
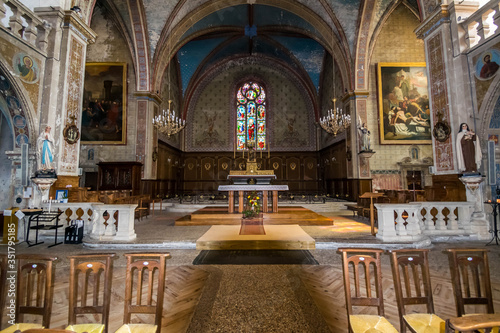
[211,111]
[110,46]
[396,43]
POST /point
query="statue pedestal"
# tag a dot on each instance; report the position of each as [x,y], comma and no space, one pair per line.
[43,185]
[479,225]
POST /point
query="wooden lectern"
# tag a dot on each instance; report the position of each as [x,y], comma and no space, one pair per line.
[371,195]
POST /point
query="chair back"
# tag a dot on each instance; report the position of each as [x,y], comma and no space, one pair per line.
[3,284]
[470,277]
[412,282]
[145,279]
[90,286]
[35,286]
[364,286]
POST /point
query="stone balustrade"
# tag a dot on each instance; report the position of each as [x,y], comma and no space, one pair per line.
[418,220]
[479,26]
[24,24]
[103,222]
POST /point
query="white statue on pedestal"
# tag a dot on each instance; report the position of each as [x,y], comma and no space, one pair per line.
[45,150]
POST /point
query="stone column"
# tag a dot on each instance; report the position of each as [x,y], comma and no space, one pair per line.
[63,84]
[479,225]
[147,136]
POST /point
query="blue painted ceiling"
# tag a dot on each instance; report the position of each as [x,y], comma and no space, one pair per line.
[221,35]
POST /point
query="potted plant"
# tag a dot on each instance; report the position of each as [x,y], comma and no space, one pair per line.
[252,208]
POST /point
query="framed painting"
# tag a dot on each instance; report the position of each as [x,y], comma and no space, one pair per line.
[104,110]
[403,96]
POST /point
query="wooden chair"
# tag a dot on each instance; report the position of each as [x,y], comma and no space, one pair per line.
[34,290]
[412,285]
[142,266]
[3,284]
[90,279]
[47,330]
[366,262]
[141,211]
[470,277]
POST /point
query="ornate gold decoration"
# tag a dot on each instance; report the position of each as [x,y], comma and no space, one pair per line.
[310,165]
[276,165]
[190,166]
[207,166]
[293,166]
[71,133]
[224,166]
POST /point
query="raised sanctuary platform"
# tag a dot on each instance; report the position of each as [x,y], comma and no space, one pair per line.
[276,237]
[286,215]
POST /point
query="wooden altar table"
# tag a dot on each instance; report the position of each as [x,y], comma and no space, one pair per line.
[248,188]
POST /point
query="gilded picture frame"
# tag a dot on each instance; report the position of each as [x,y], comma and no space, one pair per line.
[104,109]
[403,103]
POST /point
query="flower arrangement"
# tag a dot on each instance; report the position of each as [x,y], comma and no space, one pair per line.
[253,207]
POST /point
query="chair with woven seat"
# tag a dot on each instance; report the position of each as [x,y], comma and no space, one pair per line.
[470,277]
[366,280]
[412,285]
[34,290]
[90,279]
[145,278]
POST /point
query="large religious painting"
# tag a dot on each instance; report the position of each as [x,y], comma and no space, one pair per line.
[403,103]
[104,104]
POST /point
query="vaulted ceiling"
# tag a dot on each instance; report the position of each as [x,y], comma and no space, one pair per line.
[201,33]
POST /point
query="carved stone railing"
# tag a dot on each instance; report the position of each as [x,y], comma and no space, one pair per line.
[479,26]
[24,24]
[102,222]
[418,220]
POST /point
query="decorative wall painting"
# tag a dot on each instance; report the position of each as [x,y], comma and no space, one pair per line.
[487,64]
[403,97]
[25,67]
[104,104]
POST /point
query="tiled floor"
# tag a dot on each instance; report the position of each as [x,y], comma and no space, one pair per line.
[256,298]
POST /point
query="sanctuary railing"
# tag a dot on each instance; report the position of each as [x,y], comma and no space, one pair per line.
[479,26]
[418,220]
[23,24]
[105,222]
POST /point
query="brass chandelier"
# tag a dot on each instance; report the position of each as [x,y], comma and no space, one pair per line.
[167,123]
[335,121]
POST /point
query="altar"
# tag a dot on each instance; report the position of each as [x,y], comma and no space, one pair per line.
[241,189]
[252,179]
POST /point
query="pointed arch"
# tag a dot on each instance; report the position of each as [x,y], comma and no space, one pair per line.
[170,38]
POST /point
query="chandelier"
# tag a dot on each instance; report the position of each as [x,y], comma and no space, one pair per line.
[336,121]
[167,123]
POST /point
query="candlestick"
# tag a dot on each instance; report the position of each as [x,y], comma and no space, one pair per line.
[243,152]
[268,150]
[50,202]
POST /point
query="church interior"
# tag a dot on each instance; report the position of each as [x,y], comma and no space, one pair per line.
[243,156]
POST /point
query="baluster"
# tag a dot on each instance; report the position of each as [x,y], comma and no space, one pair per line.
[412,227]
[480,33]
[30,32]
[440,224]
[400,227]
[15,22]
[3,11]
[496,16]
[429,219]
[452,218]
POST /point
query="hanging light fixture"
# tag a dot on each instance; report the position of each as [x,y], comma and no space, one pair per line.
[335,121]
[167,122]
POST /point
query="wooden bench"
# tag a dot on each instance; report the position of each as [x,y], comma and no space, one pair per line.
[355,208]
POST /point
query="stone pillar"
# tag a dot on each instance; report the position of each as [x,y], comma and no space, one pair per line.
[146,143]
[479,225]
[449,84]
[63,82]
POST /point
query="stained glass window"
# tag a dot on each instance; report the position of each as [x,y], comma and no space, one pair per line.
[251,116]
